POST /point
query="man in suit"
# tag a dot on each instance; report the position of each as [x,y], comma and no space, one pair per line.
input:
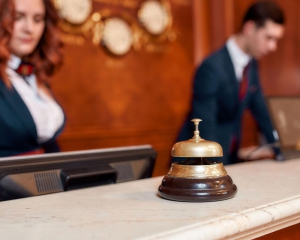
[227,82]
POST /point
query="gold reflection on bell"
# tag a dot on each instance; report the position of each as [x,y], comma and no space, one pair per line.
[197,146]
[197,171]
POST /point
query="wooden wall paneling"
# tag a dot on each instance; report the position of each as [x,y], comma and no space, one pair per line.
[240,7]
[229,27]
[217,20]
[201,30]
[221,20]
[139,98]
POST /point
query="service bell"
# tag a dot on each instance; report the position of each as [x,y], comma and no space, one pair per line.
[196,179]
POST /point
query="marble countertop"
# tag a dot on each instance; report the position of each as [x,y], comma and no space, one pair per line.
[268,199]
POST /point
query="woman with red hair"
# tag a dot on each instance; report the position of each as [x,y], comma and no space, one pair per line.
[30,52]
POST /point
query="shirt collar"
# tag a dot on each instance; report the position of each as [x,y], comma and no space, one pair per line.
[238,56]
[14,62]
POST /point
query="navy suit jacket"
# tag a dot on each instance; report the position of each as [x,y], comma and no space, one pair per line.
[18,132]
[215,101]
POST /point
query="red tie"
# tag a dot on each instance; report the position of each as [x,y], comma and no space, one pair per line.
[25,69]
[243,87]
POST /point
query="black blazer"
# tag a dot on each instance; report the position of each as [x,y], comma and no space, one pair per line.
[215,101]
[18,132]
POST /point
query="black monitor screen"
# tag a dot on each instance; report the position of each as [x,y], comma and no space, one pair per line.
[26,176]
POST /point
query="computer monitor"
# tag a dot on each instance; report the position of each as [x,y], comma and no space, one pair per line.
[26,176]
[285,114]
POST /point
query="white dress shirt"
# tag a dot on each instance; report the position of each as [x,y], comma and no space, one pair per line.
[238,57]
[46,113]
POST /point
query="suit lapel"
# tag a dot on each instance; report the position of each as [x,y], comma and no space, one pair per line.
[229,70]
[16,103]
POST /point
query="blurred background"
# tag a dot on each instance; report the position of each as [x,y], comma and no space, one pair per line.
[127,77]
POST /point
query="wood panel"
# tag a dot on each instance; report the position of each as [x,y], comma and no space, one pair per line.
[139,98]
[201,30]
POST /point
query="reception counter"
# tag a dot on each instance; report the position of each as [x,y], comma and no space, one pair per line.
[268,199]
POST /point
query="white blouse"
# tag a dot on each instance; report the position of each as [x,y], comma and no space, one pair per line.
[46,113]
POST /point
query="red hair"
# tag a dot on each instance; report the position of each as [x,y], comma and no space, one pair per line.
[47,56]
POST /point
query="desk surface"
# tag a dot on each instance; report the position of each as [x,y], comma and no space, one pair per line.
[268,199]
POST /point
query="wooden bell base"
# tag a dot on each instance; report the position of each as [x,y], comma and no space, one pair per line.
[197,190]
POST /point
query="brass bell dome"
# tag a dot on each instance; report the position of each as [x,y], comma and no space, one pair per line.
[197,147]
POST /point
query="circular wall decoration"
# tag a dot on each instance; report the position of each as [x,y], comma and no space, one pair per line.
[154,16]
[117,36]
[74,11]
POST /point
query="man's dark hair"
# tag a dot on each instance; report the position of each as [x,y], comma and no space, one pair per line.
[260,12]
